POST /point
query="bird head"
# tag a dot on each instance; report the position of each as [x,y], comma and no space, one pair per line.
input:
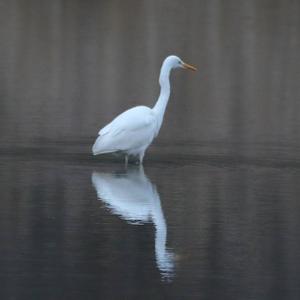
[176,62]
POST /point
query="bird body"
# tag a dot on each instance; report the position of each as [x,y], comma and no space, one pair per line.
[131,132]
[134,130]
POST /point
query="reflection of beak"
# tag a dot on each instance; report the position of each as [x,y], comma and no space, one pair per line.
[187,66]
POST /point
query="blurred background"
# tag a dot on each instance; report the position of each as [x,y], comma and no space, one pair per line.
[221,181]
[68,67]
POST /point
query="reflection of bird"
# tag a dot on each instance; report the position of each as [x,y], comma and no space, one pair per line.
[133,131]
[134,198]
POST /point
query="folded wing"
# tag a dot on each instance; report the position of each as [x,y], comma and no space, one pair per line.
[131,129]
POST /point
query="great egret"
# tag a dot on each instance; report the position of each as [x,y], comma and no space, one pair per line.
[133,130]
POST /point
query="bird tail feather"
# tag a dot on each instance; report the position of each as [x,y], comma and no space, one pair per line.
[99,147]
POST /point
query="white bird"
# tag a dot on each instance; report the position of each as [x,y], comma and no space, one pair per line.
[133,131]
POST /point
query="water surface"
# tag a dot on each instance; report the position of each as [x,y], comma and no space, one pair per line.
[186,230]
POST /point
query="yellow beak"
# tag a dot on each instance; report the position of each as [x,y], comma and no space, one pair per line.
[189,67]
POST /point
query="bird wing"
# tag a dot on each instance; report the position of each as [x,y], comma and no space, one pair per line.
[130,120]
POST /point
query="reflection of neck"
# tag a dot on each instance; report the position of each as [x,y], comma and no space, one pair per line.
[160,226]
[161,104]
[163,258]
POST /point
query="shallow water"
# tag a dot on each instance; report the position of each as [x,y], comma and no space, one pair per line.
[214,213]
[190,230]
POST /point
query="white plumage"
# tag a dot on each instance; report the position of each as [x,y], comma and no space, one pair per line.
[134,130]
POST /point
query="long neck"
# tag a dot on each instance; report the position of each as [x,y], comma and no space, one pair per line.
[161,104]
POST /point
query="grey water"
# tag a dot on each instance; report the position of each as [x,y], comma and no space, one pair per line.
[214,212]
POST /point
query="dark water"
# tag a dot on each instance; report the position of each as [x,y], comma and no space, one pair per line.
[214,213]
[195,230]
